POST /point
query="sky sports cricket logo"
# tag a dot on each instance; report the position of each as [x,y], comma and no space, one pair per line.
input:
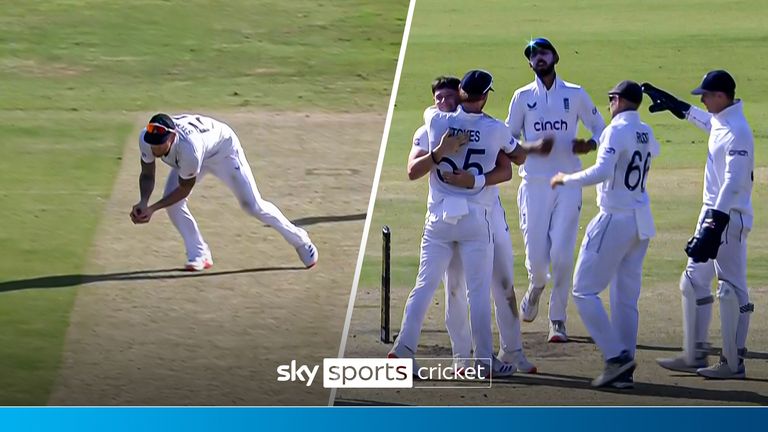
[390,373]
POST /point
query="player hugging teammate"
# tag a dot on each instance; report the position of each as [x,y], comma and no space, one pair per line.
[466,241]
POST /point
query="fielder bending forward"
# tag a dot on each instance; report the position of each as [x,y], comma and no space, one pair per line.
[193,146]
[719,246]
[616,240]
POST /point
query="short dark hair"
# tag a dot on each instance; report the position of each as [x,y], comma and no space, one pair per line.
[443,82]
[466,97]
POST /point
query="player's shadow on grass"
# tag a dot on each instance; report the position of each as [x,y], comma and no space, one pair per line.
[642,388]
[313,220]
[714,351]
[70,280]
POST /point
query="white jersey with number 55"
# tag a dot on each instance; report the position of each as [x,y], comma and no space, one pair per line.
[198,139]
[626,149]
[487,136]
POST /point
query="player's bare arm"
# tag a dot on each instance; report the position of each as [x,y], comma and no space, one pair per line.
[146,186]
[541,146]
[501,173]
[518,155]
[584,146]
[176,195]
[421,162]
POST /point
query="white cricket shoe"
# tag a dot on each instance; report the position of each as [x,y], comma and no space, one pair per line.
[518,359]
[529,307]
[200,263]
[498,369]
[721,370]
[308,254]
[679,364]
[557,333]
[615,369]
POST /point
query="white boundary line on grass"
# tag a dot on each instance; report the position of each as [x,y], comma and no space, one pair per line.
[374,188]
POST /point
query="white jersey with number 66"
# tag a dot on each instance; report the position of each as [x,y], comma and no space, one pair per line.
[624,156]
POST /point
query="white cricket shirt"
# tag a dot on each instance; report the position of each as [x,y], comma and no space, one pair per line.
[624,156]
[535,112]
[198,140]
[487,136]
[731,160]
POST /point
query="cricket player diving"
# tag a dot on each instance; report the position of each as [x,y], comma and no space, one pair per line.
[549,218]
[719,245]
[464,142]
[617,239]
[193,146]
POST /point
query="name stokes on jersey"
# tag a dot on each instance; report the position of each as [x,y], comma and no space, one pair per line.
[474,135]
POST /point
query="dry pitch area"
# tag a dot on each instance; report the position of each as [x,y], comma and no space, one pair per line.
[143,332]
[565,369]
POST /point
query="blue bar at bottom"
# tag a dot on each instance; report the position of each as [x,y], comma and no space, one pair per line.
[385,419]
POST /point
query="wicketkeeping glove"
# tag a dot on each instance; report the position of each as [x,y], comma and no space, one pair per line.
[663,101]
[703,246]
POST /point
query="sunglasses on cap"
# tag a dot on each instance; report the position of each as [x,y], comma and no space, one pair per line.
[158,129]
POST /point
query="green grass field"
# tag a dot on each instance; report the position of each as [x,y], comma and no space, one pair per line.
[74,76]
[600,42]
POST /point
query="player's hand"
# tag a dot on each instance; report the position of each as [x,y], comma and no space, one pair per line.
[703,246]
[140,213]
[450,144]
[557,180]
[663,101]
[459,178]
[541,146]
[582,146]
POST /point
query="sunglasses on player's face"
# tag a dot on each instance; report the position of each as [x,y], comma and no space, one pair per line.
[158,129]
[613,97]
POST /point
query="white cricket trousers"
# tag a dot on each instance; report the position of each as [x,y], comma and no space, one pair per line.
[234,171]
[502,290]
[549,220]
[730,267]
[471,238]
[611,253]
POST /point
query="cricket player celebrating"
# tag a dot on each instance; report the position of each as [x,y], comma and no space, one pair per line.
[445,91]
[194,145]
[616,240]
[464,140]
[719,246]
[549,219]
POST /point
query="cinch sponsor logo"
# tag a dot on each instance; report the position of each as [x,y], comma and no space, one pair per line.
[547,125]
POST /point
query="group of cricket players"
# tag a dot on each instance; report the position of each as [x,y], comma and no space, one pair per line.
[466,241]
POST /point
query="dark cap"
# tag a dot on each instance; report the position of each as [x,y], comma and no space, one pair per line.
[158,138]
[477,82]
[716,81]
[628,90]
[537,44]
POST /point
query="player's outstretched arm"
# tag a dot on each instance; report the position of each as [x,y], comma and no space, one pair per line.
[146,186]
[664,101]
[541,146]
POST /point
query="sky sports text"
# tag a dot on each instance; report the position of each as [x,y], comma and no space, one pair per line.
[389,373]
